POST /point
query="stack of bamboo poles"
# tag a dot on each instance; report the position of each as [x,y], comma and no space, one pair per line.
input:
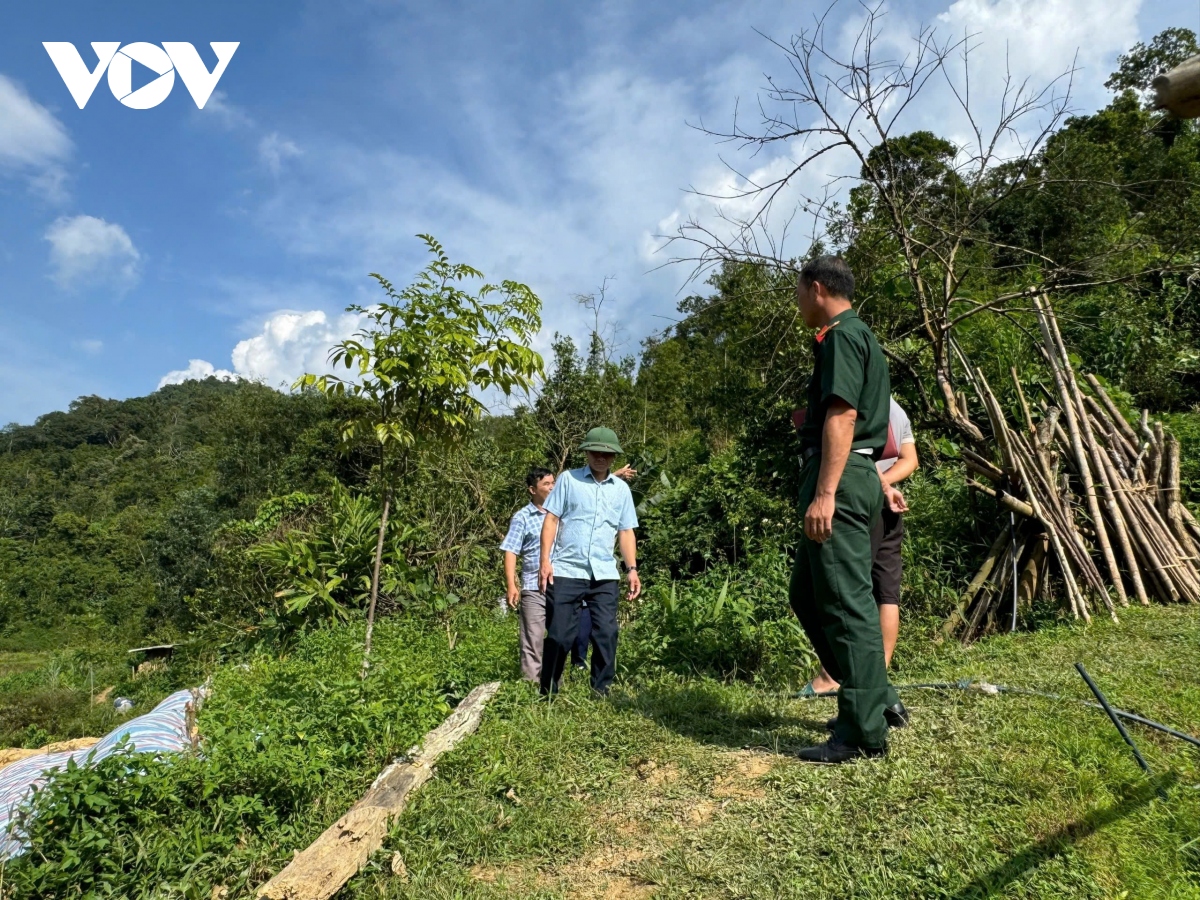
[1082,489]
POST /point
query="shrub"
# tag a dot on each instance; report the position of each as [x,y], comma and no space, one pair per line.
[729,622]
[287,745]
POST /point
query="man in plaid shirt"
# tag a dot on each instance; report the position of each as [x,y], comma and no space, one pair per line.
[524,540]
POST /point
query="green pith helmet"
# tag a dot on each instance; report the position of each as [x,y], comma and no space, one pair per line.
[601,440]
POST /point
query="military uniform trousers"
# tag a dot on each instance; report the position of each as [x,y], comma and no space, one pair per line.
[832,597]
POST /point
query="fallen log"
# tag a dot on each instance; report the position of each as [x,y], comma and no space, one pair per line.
[319,872]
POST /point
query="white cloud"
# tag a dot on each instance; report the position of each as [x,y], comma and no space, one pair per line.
[273,150]
[91,346]
[1042,39]
[197,370]
[227,115]
[288,345]
[562,186]
[87,250]
[291,344]
[32,141]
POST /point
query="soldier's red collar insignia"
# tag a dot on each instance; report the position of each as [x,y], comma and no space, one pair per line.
[820,335]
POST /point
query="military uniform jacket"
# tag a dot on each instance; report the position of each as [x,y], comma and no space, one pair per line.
[848,363]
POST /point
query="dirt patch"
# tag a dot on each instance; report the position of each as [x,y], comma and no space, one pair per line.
[600,875]
[604,875]
[622,888]
[741,777]
[9,755]
[509,874]
[103,696]
[700,813]
[654,774]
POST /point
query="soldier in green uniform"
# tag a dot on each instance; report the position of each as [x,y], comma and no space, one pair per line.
[843,433]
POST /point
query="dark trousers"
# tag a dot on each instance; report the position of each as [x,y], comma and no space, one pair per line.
[564,603]
[832,597]
[579,649]
[887,567]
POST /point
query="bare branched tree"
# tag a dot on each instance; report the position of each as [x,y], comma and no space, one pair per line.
[918,211]
[605,333]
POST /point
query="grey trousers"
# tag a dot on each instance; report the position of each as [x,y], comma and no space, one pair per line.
[532,633]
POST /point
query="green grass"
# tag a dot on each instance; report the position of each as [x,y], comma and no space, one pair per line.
[673,787]
[16,661]
[682,788]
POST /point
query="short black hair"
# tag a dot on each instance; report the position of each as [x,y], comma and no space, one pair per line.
[833,273]
[535,475]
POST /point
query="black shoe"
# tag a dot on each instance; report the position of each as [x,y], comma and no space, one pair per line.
[834,751]
[897,717]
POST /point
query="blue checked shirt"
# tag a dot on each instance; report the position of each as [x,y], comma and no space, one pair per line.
[524,538]
[590,514]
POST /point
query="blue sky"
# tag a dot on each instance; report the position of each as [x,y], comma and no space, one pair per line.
[545,142]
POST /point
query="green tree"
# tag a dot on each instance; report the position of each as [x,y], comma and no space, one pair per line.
[422,359]
[1142,64]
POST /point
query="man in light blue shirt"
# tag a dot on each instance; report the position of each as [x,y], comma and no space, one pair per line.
[588,511]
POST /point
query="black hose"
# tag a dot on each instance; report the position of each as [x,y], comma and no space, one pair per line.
[1137,754]
[986,687]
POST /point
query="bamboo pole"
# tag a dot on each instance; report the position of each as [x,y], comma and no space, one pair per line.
[1075,596]
[1008,501]
[1114,413]
[1154,458]
[1056,501]
[1021,398]
[1171,496]
[1064,380]
[1160,446]
[1190,521]
[1153,565]
[1034,569]
[964,603]
[1120,529]
[1178,564]
[1113,442]
[981,466]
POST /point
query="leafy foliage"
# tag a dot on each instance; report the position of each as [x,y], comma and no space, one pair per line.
[428,348]
[288,744]
[729,623]
[1137,68]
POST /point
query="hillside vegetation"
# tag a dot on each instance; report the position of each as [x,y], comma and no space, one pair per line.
[241,523]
